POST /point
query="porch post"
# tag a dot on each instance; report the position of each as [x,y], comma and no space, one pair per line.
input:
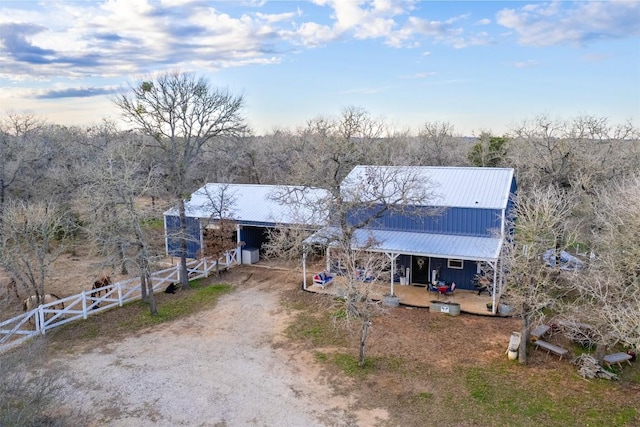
[393,258]
[494,306]
[304,270]
[328,259]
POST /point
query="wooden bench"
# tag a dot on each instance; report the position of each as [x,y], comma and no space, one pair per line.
[538,332]
[617,358]
[551,348]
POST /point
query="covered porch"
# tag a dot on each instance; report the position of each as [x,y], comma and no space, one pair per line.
[428,249]
[418,296]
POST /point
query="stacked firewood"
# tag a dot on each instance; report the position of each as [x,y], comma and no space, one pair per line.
[589,367]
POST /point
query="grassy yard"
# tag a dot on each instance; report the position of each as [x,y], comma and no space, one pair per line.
[422,383]
[135,317]
[424,369]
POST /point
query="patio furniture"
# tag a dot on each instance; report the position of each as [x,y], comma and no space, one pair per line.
[538,332]
[482,284]
[617,358]
[322,279]
[551,348]
[451,289]
[433,287]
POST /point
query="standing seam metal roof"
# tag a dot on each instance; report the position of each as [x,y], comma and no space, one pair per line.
[471,187]
[412,243]
[253,203]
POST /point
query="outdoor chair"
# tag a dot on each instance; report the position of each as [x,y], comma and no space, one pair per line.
[451,289]
[322,279]
[482,284]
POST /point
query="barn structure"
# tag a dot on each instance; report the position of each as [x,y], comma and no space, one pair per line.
[254,208]
[461,240]
[468,230]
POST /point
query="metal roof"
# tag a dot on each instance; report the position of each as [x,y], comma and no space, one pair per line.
[254,203]
[471,187]
[424,244]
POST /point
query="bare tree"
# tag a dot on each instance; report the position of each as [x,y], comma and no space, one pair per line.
[439,145]
[15,156]
[116,182]
[181,114]
[542,222]
[352,207]
[33,236]
[28,398]
[609,291]
[220,230]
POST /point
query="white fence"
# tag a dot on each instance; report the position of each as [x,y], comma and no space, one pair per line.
[48,316]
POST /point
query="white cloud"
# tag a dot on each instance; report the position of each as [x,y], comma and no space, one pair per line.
[526,64]
[423,75]
[555,23]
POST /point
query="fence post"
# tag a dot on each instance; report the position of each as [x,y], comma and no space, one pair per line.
[84,305]
[206,270]
[119,294]
[40,320]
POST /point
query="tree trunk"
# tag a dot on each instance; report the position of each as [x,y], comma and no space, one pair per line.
[526,327]
[123,262]
[184,275]
[363,340]
[143,286]
[153,308]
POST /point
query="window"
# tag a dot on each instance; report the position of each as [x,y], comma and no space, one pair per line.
[455,263]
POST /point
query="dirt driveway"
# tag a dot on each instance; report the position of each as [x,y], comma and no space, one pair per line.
[221,367]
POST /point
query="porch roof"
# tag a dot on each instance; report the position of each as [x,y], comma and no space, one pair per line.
[412,243]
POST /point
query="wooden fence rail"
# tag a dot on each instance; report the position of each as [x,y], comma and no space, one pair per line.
[38,321]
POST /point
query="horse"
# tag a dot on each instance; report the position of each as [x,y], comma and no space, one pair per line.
[30,303]
[100,283]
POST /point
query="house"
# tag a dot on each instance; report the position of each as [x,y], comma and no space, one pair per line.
[254,208]
[448,236]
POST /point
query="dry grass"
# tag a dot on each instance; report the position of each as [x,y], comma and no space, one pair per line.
[431,369]
[423,368]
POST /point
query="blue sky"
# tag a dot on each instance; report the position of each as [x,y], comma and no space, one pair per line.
[480,65]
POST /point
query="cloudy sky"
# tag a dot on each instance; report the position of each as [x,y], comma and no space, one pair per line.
[479,65]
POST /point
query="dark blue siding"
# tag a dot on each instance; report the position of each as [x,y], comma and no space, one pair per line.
[463,278]
[253,237]
[459,221]
[193,231]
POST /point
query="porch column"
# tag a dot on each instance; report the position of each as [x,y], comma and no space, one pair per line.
[393,258]
[239,248]
[328,260]
[494,306]
[304,269]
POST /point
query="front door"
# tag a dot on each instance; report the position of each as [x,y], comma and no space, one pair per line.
[420,269]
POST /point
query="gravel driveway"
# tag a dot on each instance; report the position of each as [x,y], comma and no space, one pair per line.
[217,368]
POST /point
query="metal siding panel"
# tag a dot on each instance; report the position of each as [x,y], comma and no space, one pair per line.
[463,221]
[172,226]
[253,236]
[193,241]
